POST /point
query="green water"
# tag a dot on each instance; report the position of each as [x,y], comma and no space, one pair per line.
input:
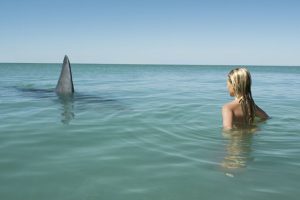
[145,132]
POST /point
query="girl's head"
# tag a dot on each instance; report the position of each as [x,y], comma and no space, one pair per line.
[239,82]
[239,86]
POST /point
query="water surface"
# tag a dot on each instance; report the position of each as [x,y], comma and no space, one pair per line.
[145,132]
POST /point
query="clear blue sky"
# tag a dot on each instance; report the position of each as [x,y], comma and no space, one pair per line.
[247,32]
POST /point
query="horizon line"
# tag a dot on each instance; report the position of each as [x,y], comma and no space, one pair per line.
[86,63]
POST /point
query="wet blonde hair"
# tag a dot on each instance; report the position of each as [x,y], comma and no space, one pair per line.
[240,79]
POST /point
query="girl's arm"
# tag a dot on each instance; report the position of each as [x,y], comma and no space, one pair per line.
[227,117]
[260,113]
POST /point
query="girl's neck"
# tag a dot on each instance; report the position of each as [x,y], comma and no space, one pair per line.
[238,98]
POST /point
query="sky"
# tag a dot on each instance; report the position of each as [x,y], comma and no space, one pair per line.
[196,32]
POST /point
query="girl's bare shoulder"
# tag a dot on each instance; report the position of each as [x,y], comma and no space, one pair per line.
[230,105]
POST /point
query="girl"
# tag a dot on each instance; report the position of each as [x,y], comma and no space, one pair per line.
[242,110]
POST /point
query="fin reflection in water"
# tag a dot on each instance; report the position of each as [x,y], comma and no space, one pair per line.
[67,108]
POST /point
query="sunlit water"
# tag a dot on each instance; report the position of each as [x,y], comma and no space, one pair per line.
[145,132]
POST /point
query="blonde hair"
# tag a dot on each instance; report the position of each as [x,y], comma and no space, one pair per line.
[240,79]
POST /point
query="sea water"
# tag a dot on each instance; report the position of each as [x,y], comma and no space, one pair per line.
[145,132]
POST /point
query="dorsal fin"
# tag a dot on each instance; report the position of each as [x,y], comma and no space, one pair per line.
[65,81]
